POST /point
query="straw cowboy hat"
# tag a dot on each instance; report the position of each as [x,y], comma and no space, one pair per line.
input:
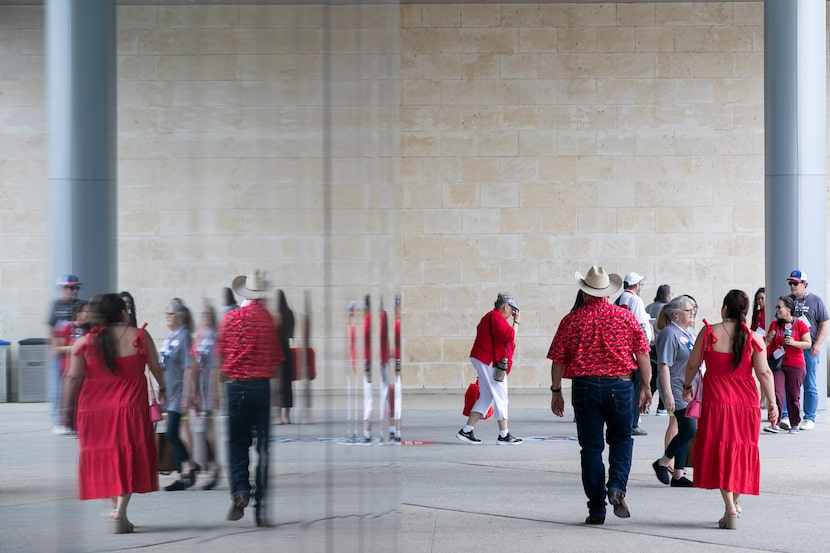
[253,286]
[598,283]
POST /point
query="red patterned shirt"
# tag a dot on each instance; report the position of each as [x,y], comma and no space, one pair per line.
[598,339]
[248,343]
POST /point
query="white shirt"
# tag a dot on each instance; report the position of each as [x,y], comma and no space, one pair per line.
[634,303]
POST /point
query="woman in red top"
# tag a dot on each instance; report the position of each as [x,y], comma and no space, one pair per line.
[759,310]
[788,336]
[492,357]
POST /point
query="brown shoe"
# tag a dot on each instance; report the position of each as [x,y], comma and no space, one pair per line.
[617,499]
[238,504]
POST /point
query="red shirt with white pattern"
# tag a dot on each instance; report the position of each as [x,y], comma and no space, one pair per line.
[598,339]
[248,344]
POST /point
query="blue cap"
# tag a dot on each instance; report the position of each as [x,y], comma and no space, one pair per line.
[68,280]
[512,304]
[798,276]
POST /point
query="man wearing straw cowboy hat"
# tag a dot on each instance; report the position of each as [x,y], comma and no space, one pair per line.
[596,346]
[249,353]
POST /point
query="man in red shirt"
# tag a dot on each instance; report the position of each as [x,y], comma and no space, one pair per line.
[596,346]
[249,352]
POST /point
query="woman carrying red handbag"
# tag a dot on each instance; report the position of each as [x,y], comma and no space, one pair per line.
[492,358]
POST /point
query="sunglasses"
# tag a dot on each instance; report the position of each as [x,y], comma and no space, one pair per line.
[793,283]
[74,287]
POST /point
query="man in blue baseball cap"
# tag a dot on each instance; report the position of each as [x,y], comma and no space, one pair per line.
[63,313]
[811,309]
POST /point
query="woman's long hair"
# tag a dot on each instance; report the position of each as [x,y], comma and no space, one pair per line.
[183,312]
[132,310]
[736,303]
[107,310]
[286,316]
[663,293]
[788,301]
[755,305]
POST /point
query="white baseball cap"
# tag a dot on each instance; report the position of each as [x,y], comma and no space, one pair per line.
[633,278]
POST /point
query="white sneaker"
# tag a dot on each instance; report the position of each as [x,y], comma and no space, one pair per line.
[784,423]
[772,429]
[807,424]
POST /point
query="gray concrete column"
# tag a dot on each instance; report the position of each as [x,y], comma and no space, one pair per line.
[81,82]
[795,150]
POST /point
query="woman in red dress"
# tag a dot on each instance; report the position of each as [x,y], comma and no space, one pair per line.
[106,374]
[726,448]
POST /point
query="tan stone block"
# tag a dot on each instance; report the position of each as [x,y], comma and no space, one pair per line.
[670,65]
[596,220]
[655,142]
[675,219]
[444,221]
[596,117]
[197,68]
[695,142]
[749,13]
[713,64]
[617,193]
[420,92]
[713,39]
[501,194]
[441,272]
[473,15]
[736,142]
[414,42]
[460,195]
[674,14]
[498,41]
[520,117]
[422,247]
[654,39]
[453,41]
[635,169]
[577,91]
[597,168]
[422,196]
[655,91]
[420,144]
[498,93]
[519,66]
[411,169]
[559,65]
[536,245]
[478,169]
[441,66]
[616,143]
[713,13]
[495,143]
[519,15]
[635,219]
[634,117]
[618,245]
[558,117]
[538,39]
[481,221]
[616,39]
[23,93]
[444,170]
[559,169]
[634,65]
[556,15]
[411,15]
[439,15]
[282,16]
[135,17]
[577,143]
[519,169]
[600,15]
[638,15]
[538,143]
[425,350]
[459,247]
[478,272]
[580,39]
[749,64]
[581,244]
[458,92]
[479,67]
[480,117]
[410,67]
[519,221]
[460,144]
[539,91]
[538,194]
[440,118]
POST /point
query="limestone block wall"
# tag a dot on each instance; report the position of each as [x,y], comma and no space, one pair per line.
[444,151]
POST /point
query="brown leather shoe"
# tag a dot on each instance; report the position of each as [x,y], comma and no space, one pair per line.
[617,499]
[595,519]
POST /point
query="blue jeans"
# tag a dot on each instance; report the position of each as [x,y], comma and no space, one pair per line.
[249,417]
[599,403]
[810,390]
[679,445]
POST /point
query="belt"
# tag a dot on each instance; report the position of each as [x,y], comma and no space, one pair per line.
[620,377]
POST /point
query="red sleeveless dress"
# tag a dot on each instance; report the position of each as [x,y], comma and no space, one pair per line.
[726,446]
[117,445]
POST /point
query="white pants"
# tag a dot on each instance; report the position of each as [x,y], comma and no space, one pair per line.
[491,392]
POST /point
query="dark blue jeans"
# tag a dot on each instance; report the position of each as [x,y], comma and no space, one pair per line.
[679,445]
[603,404]
[249,419]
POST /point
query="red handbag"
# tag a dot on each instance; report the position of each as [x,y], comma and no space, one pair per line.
[297,369]
[470,398]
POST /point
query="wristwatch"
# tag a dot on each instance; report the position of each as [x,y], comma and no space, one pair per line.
[556,390]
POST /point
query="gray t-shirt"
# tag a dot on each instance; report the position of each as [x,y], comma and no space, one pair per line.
[674,346]
[812,308]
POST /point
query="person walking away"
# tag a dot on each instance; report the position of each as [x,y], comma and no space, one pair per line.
[726,447]
[62,314]
[249,354]
[596,346]
[107,382]
[631,300]
[492,358]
